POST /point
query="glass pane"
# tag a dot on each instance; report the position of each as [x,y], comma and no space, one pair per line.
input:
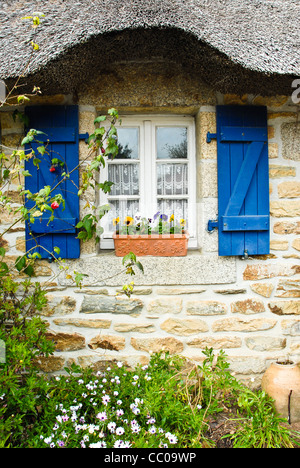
[178,208]
[128,143]
[121,209]
[171,142]
[125,178]
[172,179]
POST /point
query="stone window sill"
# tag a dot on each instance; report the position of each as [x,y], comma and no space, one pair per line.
[106,269]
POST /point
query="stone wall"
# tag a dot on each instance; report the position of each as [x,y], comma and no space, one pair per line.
[250,308]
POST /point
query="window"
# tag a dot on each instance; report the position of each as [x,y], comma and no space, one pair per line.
[154,171]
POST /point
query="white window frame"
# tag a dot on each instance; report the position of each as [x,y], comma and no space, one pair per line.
[147,172]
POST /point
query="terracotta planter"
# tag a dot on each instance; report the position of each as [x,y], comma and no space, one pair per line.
[282,382]
[157,245]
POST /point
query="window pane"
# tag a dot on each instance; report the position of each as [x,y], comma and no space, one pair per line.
[171,142]
[125,178]
[120,209]
[178,208]
[172,179]
[128,143]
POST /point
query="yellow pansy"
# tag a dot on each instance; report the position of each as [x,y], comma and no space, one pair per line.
[171,218]
[128,221]
[182,222]
[116,221]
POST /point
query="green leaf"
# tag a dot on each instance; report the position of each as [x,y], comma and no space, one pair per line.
[129,257]
[140,266]
[20,263]
[26,140]
[3,269]
[101,118]
[57,250]
[29,270]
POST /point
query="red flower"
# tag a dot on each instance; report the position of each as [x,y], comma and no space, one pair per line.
[103,150]
[54,205]
[52,169]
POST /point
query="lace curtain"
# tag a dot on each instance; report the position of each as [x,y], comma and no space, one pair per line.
[125,178]
[172,179]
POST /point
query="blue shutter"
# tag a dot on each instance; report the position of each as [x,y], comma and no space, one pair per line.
[60,125]
[243,180]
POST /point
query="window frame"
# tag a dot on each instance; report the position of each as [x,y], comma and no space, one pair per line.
[148,165]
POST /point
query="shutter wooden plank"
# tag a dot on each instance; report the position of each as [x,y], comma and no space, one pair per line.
[244,178]
[57,134]
[246,222]
[243,134]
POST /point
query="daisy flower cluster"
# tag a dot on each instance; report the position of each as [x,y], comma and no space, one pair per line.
[99,414]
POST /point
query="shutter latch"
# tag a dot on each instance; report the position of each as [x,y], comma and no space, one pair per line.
[210,136]
[212,225]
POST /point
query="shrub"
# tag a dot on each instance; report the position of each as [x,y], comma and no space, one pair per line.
[23,333]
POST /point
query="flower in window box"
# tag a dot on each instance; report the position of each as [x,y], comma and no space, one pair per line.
[163,236]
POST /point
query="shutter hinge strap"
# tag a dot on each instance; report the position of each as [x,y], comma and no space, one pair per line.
[212,225]
[84,136]
[210,136]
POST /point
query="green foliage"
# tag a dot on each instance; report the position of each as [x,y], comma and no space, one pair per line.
[166,403]
[260,426]
[23,333]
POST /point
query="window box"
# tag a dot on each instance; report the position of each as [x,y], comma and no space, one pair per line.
[157,245]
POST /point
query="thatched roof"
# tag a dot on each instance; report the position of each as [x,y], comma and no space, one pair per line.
[236,45]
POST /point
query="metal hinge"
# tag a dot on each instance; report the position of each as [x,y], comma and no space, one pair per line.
[212,225]
[84,136]
[210,136]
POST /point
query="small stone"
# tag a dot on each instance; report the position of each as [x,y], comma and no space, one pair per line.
[230,291]
[296,243]
[58,305]
[289,189]
[290,327]
[215,342]
[285,307]
[134,327]
[110,342]
[178,291]
[156,345]
[276,171]
[243,325]
[82,323]
[265,343]
[263,289]
[287,227]
[66,341]
[247,307]
[279,244]
[165,306]
[264,271]
[288,288]
[285,208]
[205,308]
[93,304]
[184,327]
[50,364]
